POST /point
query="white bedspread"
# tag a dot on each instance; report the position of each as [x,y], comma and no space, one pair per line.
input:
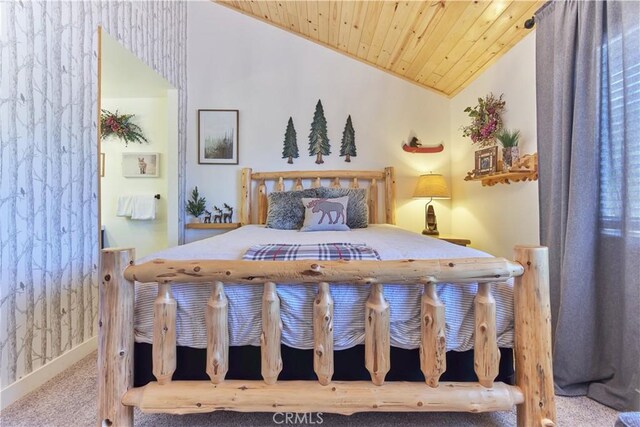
[296,300]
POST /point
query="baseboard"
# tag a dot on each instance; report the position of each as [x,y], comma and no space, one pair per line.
[35,379]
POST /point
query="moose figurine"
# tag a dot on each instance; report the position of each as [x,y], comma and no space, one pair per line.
[207,217]
[327,207]
[227,216]
[217,218]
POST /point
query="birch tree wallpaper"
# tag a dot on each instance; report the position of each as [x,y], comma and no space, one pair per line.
[48,162]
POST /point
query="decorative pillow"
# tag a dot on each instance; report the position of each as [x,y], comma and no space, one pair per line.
[323,214]
[286,211]
[358,207]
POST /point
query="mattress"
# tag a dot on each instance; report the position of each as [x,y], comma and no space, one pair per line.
[245,301]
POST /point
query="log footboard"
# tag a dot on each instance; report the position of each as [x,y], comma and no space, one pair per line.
[533,393]
[346,398]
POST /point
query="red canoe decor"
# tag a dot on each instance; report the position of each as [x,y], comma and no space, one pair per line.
[422,149]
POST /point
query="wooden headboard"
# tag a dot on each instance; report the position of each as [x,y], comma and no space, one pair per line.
[355,179]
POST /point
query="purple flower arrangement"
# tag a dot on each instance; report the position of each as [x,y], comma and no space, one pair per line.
[486,120]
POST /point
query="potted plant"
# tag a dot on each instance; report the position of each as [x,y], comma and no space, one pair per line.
[196,205]
[510,153]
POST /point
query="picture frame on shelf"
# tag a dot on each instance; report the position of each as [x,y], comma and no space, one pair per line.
[486,161]
[141,165]
[102,160]
[218,137]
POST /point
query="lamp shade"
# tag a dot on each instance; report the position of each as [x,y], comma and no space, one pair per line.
[432,185]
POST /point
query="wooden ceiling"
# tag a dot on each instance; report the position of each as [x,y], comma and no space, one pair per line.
[441,45]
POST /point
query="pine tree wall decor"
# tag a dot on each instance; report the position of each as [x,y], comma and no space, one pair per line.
[318,139]
[290,149]
[348,145]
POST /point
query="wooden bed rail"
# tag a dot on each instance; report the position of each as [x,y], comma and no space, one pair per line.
[533,393]
[462,270]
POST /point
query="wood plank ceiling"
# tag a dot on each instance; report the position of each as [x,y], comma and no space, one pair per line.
[441,45]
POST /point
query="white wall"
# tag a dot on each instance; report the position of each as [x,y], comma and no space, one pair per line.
[146,236]
[238,62]
[499,217]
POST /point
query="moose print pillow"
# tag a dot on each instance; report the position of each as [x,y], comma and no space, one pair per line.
[325,214]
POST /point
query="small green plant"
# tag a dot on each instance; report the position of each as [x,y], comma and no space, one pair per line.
[508,138]
[196,206]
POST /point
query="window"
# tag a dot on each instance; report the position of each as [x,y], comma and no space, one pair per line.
[620,136]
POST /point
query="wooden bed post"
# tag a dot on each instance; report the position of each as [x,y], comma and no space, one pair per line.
[532,320]
[271,337]
[377,347]
[373,202]
[164,334]
[323,334]
[262,203]
[486,354]
[115,338]
[390,195]
[245,197]
[433,341]
[217,334]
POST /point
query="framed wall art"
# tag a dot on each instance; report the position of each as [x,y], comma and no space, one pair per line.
[140,165]
[218,137]
[486,161]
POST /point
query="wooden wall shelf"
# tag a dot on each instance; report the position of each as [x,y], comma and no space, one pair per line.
[213,226]
[504,178]
[525,170]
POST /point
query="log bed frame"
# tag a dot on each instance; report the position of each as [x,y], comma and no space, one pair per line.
[533,393]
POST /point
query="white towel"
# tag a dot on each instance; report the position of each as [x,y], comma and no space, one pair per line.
[125,205]
[143,207]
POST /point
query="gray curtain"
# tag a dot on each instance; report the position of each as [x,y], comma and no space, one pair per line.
[588,121]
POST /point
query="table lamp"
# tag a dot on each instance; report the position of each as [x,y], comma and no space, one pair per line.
[434,186]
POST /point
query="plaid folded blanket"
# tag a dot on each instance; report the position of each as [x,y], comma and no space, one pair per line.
[317,251]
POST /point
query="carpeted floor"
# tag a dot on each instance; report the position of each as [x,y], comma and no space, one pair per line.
[70,400]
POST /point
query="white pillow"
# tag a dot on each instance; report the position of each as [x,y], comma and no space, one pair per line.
[323,214]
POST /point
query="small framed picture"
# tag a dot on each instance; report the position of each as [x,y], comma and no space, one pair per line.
[218,137]
[140,165]
[487,161]
[101,165]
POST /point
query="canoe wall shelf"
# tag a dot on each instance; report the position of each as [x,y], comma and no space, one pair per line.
[423,149]
[526,169]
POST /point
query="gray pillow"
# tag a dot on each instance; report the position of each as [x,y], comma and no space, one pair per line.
[285,209]
[325,214]
[358,207]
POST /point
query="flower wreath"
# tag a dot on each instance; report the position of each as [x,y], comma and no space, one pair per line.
[486,120]
[121,126]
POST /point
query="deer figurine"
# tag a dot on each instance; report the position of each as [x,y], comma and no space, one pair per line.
[217,218]
[142,165]
[228,214]
[207,217]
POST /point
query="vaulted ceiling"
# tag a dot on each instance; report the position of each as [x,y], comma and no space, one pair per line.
[441,45]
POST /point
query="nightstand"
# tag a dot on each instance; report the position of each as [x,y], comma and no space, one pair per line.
[201,230]
[454,240]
